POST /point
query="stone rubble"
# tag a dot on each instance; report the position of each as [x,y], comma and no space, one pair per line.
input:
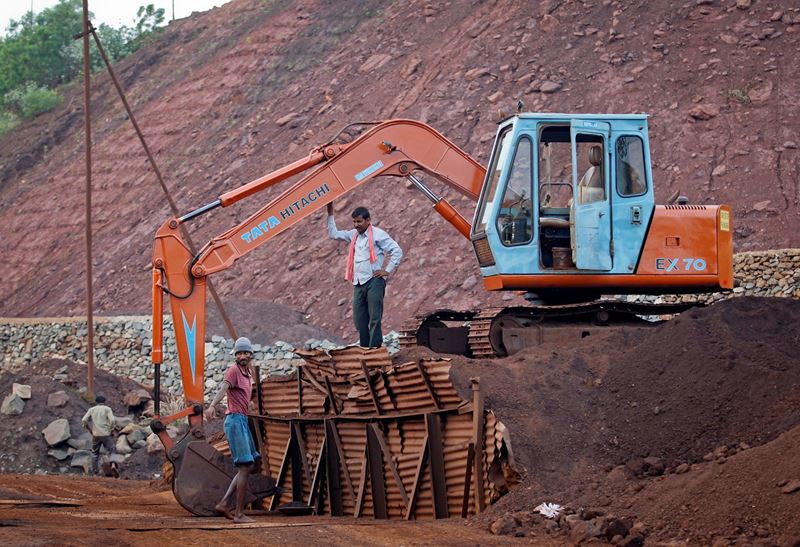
[773,273]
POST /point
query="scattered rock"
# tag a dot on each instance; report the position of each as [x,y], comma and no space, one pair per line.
[505,526]
[584,530]
[154,445]
[718,171]
[477,28]
[411,66]
[761,205]
[22,390]
[122,445]
[616,527]
[84,442]
[469,283]
[136,397]
[548,23]
[375,62]
[82,459]
[682,468]
[57,399]
[280,122]
[13,405]
[704,111]
[56,432]
[743,4]
[791,487]
[494,97]
[761,94]
[654,466]
[58,453]
[550,87]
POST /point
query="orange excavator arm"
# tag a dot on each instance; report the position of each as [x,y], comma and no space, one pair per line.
[396,148]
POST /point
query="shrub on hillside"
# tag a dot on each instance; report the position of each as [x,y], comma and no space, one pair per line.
[8,121]
[31,100]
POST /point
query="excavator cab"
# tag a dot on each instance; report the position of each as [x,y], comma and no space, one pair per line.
[563,196]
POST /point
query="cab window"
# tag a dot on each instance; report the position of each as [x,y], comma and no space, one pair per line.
[631,179]
[555,169]
[515,217]
[495,170]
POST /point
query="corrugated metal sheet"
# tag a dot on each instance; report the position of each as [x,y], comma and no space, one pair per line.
[404,394]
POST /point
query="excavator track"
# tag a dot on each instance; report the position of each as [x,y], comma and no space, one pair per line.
[497,332]
[480,344]
[431,329]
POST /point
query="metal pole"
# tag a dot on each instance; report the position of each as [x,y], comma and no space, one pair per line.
[87,124]
[172,205]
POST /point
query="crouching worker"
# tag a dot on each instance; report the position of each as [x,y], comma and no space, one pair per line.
[237,385]
[100,422]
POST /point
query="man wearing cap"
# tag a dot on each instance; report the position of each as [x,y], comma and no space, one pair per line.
[100,422]
[237,385]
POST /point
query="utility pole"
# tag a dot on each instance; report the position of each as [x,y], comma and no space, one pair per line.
[87,124]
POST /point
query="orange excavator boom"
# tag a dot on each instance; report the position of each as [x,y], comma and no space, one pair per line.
[398,148]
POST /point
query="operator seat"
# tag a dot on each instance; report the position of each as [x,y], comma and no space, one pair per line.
[590,187]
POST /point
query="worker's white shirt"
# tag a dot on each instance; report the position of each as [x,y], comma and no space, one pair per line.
[101,420]
[384,245]
[362,267]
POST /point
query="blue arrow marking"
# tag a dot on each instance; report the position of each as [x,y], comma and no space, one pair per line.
[190,333]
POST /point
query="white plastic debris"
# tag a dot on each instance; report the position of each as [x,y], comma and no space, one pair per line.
[550,510]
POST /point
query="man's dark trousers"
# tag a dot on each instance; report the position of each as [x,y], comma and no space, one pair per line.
[368,310]
[97,442]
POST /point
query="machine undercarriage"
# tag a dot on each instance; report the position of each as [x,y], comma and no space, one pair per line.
[499,332]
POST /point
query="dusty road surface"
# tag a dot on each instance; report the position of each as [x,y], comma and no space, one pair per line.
[48,510]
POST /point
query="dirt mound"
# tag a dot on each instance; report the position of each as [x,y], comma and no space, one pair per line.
[265,322]
[591,422]
[24,447]
[711,377]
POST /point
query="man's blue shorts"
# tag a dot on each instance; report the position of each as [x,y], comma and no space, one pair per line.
[240,441]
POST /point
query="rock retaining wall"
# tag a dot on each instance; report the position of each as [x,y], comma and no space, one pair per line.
[123,344]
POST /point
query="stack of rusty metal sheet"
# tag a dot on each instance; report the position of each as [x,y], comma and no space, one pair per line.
[352,434]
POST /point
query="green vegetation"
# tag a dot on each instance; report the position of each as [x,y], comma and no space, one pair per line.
[8,121]
[39,53]
[740,95]
[31,100]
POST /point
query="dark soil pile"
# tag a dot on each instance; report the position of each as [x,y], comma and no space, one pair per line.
[265,322]
[708,385]
[22,444]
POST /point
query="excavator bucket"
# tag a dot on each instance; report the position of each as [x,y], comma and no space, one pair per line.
[202,474]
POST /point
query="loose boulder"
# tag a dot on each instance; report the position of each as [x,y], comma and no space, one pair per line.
[122,445]
[82,459]
[24,391]
[13,405]
[84,442]
[57,399]
[136,397]
[154,444]
[58,453]
[56,432]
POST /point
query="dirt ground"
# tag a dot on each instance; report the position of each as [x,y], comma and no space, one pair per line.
[117,512]
[692,427]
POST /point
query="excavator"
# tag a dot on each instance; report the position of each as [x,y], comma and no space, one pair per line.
[565,213]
